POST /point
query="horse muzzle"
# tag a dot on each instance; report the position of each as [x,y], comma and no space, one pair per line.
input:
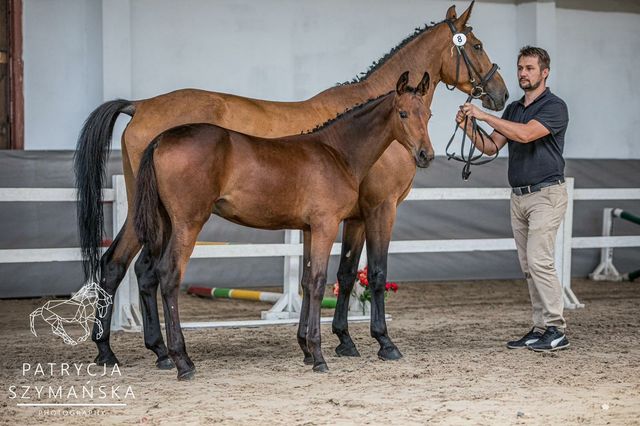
[424,158]
[495,102]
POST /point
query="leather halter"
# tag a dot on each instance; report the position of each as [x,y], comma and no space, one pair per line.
[478,85]
[477,91]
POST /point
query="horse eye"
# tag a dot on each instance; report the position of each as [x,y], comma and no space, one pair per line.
[477,47]
[403,114]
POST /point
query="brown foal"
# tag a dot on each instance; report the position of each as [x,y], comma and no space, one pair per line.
[386,185]
[308,182]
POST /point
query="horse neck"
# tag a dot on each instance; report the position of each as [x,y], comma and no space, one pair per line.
[361,138]
[423,53]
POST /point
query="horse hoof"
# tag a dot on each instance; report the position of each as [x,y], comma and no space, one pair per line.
[321,368]
[187,375]
[347,350]
[109,360]
[389,354]
[308,360]
[165,364]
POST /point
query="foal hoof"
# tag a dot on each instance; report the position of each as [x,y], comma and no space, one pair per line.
[165,364]
[347,350]
[321,368]
[108,360]
[389,354]
[308,360]
[187,375]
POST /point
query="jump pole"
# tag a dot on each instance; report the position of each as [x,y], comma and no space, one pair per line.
[631,276]
[605,270]
[262,296]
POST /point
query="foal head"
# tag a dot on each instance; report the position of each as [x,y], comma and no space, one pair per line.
[410,119]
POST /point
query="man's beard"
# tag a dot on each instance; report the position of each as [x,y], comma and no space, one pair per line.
[527,86]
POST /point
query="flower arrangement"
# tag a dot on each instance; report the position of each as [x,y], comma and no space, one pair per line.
[363,281]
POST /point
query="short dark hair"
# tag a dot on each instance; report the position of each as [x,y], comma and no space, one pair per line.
[543,57]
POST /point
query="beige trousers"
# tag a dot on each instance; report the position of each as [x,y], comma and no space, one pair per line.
[535,219]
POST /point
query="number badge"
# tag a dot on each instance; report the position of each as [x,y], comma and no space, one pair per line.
[459,39]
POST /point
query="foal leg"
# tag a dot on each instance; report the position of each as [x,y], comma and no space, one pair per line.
[148,285]
[379,224]
[113,266]
[304,314]
[322,237]
[170,271]
[352,242]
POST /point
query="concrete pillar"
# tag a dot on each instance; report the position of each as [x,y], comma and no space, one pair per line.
[536,26]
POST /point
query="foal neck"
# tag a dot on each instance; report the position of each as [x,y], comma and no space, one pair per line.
[362,135]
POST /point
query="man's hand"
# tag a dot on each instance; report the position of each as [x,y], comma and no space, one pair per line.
[460,118]
[471,110]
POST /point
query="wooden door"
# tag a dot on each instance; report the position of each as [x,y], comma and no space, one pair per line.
[4,75]
[11,76]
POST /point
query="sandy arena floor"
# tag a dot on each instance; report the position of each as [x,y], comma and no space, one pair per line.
[455,370]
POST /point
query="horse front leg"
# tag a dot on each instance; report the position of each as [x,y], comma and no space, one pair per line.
[322,237]
[306,284]
[352,243]
[148,288]
[113,267]
[379,224]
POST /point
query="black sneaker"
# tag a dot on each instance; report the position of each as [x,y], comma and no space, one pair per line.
[552,340]
[529,338]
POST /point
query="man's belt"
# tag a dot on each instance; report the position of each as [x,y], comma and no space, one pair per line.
[522,190]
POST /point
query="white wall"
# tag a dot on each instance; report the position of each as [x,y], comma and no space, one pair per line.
[62,69]
[292,49]
[597,65]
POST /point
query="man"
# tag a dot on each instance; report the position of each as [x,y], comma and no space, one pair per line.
[534,128]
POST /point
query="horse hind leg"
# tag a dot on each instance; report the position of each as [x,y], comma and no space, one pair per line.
[352,243]
[148,286]
[113,265]
[170,271]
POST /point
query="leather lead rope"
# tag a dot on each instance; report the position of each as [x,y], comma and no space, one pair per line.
[470,157]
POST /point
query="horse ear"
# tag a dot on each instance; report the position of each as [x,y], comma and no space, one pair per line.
[423,87]
[451,13]
[462,20]
[401,85]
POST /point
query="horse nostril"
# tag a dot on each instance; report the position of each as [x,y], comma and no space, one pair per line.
[506,96]
[425,156]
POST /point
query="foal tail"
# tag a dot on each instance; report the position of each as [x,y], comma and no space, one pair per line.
[92,150]
[147,201]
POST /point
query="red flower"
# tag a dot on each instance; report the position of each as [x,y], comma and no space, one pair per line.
[336,289]
[362,277]
[394,287]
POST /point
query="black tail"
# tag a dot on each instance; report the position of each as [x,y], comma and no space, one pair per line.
[94,145]
[147,202]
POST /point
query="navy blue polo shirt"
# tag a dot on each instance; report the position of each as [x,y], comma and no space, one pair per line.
[540,160]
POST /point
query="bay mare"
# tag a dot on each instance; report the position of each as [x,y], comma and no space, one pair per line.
[308,182]
[387,184]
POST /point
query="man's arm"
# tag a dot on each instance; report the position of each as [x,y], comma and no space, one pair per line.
[487,147]
[518,132]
